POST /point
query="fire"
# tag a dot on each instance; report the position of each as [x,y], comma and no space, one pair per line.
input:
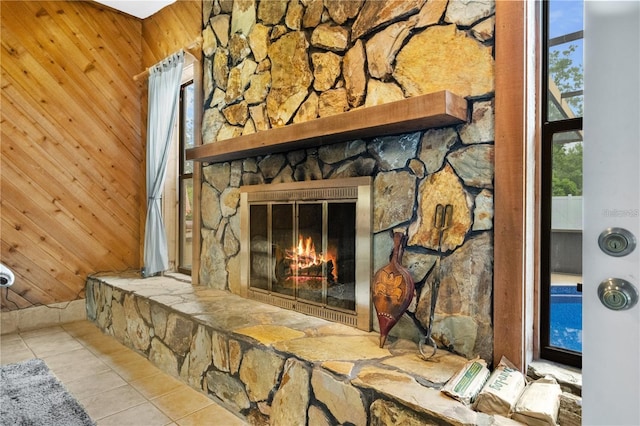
[306,253]
[306,261]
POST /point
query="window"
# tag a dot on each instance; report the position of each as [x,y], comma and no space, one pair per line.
[561,182]
[185,177]
[178,192]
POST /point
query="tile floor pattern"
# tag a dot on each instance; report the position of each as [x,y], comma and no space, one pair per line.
[116,385]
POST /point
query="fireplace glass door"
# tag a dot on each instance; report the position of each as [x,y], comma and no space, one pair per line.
[305,250]
[302,251]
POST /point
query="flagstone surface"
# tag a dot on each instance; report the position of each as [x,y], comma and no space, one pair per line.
[274,365]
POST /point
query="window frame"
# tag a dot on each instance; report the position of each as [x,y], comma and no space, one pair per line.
[547,131]
[182,176]
[515,210]
[171,207]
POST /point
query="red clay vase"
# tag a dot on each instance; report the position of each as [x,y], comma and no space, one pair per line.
[392,289]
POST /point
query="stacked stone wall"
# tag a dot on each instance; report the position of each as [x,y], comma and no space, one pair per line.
[269,64]
[276,366]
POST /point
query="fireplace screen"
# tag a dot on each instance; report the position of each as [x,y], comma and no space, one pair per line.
[306,246]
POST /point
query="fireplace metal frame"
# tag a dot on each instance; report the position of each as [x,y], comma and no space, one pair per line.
[357,189]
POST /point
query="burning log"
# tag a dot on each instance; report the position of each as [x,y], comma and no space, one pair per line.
[288,268]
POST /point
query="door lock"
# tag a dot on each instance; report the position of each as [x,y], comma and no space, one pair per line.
[617,242]
[617,294]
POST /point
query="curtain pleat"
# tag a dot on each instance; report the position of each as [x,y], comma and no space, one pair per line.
[164,91]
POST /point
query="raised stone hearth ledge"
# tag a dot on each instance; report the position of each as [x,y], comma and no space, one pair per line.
[432,110]
[274,366]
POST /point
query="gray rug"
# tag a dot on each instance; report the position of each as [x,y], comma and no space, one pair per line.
[31,395]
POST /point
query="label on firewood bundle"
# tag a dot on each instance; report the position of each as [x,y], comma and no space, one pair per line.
[502,391]
[467,382]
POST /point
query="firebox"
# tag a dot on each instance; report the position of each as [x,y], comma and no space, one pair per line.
[306,246]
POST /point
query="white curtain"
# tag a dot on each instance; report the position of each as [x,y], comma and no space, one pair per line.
[164,91]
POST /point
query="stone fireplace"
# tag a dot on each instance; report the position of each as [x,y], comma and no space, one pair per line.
[404,197]
[285,68]
[306,246]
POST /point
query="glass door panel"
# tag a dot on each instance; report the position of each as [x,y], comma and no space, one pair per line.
[260,253]
[311,266]
[283,241]
[341,243]
[565,255]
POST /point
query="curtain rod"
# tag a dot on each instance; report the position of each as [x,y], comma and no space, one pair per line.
[191,46]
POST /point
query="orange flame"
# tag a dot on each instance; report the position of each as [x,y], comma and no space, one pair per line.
[305,255]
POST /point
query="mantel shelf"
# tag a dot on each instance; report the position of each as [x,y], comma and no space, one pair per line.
[408,115]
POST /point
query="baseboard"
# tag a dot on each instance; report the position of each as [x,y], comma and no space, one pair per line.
[42,316]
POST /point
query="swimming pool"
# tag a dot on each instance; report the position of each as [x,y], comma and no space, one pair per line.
[566,317]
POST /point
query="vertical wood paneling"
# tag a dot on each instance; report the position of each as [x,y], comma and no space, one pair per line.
[71,147]
[72,198]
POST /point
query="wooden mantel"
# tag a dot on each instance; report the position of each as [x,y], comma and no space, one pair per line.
[408,115]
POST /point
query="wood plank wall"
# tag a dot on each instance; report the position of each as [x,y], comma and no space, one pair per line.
[71,151]
[72,147]
[170,29]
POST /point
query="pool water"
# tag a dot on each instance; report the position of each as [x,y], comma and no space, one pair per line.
[566,317]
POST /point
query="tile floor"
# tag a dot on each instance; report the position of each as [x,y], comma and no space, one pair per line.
[116,385]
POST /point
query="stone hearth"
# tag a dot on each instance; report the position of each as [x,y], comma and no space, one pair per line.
[276,366]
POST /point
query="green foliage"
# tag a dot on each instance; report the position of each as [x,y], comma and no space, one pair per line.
[567,158]
[567,169]
[567,75]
